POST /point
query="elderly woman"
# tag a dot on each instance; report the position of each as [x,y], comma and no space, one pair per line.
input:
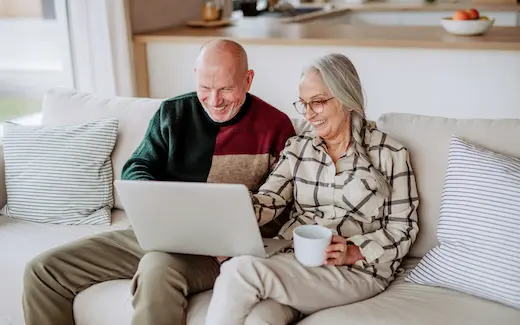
[342,174]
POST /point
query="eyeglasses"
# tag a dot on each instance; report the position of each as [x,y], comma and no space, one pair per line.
[316,106]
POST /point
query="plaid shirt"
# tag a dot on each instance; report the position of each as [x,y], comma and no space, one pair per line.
[344,197]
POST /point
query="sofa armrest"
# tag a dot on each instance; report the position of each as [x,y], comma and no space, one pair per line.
[3,193]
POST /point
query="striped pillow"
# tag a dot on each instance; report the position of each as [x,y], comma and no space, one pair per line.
[479,227]
[60,174]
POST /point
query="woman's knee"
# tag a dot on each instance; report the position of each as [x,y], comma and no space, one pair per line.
[270,312]
[240,272]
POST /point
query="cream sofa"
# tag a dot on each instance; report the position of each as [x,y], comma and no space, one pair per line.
[401,304]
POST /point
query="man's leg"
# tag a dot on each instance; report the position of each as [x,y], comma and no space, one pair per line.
[164,281]
[244,281]
[55,277]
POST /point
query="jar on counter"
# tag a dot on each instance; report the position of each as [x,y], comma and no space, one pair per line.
[211,10]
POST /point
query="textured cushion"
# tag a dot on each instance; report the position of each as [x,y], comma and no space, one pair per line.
[60,174]
[66,106]
[479,227]
[428,140]
[412,304]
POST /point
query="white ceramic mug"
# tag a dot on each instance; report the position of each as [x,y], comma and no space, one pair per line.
[310,244]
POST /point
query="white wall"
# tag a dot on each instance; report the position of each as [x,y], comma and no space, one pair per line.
[451,83]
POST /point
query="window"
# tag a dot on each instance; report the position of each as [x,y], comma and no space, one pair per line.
[35,56]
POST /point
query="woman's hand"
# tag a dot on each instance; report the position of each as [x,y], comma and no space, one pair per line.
[221,259]
[340,253]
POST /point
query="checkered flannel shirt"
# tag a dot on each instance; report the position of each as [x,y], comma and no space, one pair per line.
[344,197]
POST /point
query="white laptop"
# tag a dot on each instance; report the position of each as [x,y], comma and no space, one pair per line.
[195,218]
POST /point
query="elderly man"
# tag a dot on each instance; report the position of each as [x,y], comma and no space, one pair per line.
[220,133]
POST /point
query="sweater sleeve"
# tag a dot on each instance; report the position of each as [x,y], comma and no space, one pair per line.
[149,159]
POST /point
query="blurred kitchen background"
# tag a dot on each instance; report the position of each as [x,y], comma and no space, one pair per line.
[86,43]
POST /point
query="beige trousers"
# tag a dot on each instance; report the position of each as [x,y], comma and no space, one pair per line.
[283,279]
[160,286]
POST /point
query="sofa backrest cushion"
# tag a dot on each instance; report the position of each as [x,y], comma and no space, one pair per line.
[428,140]
[426,137]
[66,106]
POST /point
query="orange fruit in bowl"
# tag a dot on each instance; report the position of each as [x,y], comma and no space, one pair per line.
[473,13]
[461,15]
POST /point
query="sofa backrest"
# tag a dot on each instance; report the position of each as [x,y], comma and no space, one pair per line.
[66,106]
[427,139]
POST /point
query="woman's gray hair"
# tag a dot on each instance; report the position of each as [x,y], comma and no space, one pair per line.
[341,78]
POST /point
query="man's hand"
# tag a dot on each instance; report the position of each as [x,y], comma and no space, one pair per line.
[340,253]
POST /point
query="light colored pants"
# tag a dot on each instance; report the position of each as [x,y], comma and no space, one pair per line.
[281,278]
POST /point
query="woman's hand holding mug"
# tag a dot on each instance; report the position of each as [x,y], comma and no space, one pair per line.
[340,253]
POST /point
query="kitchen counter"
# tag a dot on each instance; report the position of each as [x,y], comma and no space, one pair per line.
[268,30]
[384,6]
[415,69]
[400,7]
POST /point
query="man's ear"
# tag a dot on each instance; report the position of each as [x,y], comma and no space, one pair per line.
[249,79]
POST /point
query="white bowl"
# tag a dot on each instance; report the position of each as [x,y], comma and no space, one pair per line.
[467,27]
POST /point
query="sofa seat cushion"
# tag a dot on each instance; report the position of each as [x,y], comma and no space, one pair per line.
[110,303]
[20,241]
[405,303]
[401,304]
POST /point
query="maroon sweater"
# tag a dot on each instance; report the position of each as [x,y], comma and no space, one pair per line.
[182,143]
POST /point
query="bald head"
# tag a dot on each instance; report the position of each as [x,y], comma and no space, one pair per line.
[223,78]
[225,53]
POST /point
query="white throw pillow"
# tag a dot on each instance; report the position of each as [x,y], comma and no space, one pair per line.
[60,174]
[479,227]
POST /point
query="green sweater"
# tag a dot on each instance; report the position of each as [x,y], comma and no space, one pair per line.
[182,143]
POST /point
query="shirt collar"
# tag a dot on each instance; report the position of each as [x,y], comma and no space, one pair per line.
[319,144]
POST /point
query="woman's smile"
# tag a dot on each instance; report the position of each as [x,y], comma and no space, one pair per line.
[317,123]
